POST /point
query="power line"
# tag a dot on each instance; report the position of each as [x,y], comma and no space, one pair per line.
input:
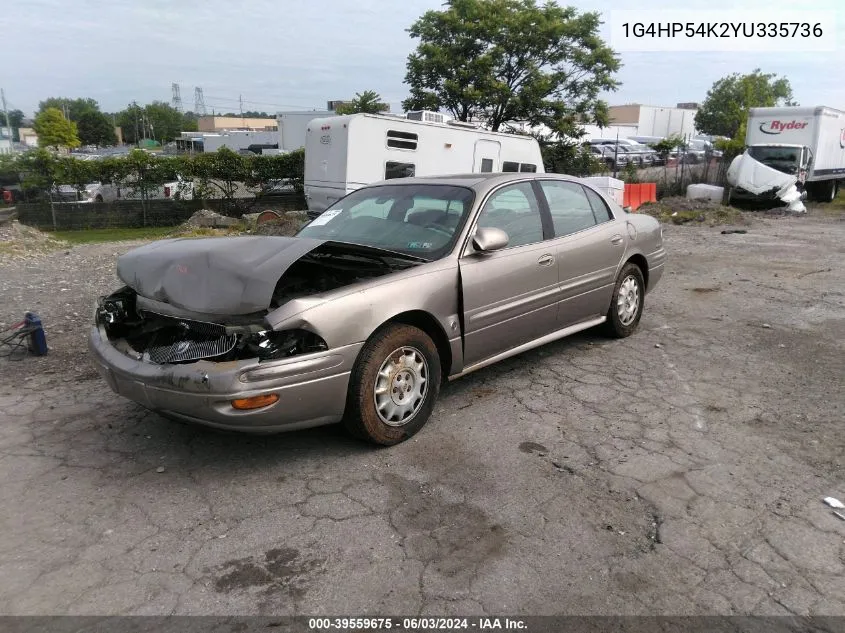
[278,105]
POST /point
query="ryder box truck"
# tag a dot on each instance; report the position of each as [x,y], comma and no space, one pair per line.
[806,144]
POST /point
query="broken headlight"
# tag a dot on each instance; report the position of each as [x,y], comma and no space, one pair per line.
[117,312]
[270,345]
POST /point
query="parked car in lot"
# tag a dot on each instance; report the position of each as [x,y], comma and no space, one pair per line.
[610,156]
[362,316]
[637,153]
[177,189]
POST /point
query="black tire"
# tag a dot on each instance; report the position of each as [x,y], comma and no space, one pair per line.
[825,191]
[99,198]
[362,418]
[615,326]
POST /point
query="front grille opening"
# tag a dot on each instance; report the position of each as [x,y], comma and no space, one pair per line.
[185,341]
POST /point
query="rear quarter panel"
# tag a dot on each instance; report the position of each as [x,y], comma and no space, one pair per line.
[646,239]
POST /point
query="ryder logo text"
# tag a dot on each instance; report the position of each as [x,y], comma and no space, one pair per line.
[776,126]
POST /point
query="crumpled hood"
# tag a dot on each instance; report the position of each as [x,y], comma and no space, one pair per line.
[215,276]
[752,175]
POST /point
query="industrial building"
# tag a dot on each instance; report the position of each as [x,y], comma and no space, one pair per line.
[225,123]
[285,133]
[641,120]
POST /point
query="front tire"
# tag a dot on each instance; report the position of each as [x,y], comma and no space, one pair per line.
[393,386]
[626,305]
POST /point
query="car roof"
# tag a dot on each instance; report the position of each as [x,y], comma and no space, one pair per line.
[475,181]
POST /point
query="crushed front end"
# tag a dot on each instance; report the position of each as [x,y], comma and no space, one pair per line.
[228,373]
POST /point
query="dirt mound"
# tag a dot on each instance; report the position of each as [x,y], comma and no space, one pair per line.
[20,240]
[680,210]
[206,218]
[286,224]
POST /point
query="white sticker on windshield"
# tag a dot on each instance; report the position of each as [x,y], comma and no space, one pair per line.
[326,217]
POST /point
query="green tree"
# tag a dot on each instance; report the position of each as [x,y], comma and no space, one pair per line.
[726,107]
[72,171]
[164,122]
[511,60]
[190,122]
[73,109]
[95,128]
[666,146]
[14,120]
[368,102]
[218,174]
[130,122]
[561,157]
[54,130]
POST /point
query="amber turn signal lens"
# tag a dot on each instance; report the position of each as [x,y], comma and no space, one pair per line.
[256,402]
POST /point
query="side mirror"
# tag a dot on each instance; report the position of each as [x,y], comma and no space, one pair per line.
[488,239]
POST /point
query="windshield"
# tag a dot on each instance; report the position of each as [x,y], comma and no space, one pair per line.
[415,219]
[784,159]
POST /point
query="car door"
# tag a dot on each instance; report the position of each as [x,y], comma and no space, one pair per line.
[589,244]
[510,295]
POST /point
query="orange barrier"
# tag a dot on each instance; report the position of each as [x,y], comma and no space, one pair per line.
[635,194]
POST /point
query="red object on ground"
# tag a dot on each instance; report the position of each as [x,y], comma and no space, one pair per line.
[635,194]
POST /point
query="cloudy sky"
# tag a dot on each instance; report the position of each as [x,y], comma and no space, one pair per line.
[291,54]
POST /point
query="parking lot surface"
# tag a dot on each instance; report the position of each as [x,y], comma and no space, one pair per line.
[679,471]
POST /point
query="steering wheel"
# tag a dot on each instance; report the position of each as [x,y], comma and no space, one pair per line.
[438,229]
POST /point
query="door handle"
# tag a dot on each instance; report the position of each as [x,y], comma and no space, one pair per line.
[546,260]
[616,240]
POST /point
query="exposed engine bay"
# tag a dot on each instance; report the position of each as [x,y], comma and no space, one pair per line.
[148,336]
[320,271]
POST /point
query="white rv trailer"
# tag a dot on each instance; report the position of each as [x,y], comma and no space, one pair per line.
[345,153]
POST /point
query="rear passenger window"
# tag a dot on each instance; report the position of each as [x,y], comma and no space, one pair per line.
[571,210]
[399,170]
[515,210]
[600,207]
[510,166]
[528,168]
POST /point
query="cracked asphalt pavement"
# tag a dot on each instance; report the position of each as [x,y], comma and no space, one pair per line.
[679,471]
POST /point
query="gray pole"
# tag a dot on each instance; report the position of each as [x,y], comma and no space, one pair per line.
[8,123]
[616,153]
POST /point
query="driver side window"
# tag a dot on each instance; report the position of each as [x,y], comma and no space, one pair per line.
[514,209]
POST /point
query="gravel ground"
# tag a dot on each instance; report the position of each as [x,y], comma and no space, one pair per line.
[679,471]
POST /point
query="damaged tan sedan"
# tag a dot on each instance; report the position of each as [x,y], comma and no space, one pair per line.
[363,315]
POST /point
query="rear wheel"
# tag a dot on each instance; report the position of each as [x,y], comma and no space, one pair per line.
[626,305]
[393,386]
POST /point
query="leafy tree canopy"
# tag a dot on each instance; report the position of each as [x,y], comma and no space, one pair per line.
[54,130]
[73,109]
[503,61]
[725,110]
[95,128]
[368,102]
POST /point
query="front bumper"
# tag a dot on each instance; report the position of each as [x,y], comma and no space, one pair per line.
[311,388]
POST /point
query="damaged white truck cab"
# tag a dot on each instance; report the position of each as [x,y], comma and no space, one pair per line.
[792,153]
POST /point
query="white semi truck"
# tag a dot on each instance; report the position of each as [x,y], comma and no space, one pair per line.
[800,147]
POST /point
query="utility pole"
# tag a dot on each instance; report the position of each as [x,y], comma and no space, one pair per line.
[8,123]
[137,134]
